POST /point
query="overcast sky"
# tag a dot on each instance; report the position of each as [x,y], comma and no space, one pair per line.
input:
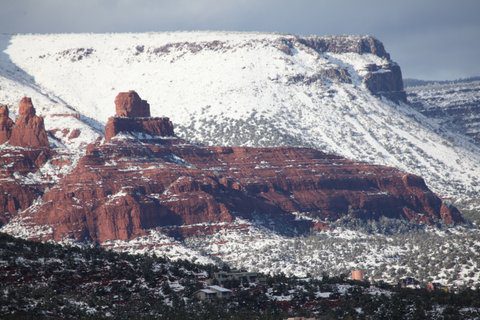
[430,39]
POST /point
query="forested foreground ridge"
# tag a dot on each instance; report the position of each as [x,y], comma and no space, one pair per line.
[49,281]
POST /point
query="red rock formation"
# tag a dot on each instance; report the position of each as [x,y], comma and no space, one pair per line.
[129,104]
[14,194]
[121,189]
[133,115]
[29,130]
[6,124]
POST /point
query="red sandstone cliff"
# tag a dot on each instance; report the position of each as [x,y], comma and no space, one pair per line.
[14,193]
[121,189]
[29,132]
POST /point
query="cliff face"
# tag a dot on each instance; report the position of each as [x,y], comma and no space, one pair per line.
[386,82]
[28,132]
[383,80]
[252,89]
[121,189]
[18,194]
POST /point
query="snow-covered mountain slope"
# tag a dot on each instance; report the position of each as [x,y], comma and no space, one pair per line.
[246,89]
[455,105]
[60,119]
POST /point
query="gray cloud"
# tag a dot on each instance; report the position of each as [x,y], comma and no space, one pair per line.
[431,39]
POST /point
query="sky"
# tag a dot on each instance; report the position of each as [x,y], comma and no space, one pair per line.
[430,39]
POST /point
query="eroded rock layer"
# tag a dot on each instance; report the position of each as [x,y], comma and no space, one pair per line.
[385,80]
[132,183]
[123,188]
[27,150]
[151,126]
[17,193]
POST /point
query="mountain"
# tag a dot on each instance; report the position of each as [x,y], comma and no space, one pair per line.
[243,89]
[331,98]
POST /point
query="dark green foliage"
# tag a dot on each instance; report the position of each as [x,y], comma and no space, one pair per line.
[47,281]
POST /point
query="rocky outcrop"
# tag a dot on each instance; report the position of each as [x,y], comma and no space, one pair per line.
[121,189]
[6,124]
[344,44]
[133,115]
[129,104]
[29,130]
[383,80]
[15,197]
[17,192]
[386,81]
